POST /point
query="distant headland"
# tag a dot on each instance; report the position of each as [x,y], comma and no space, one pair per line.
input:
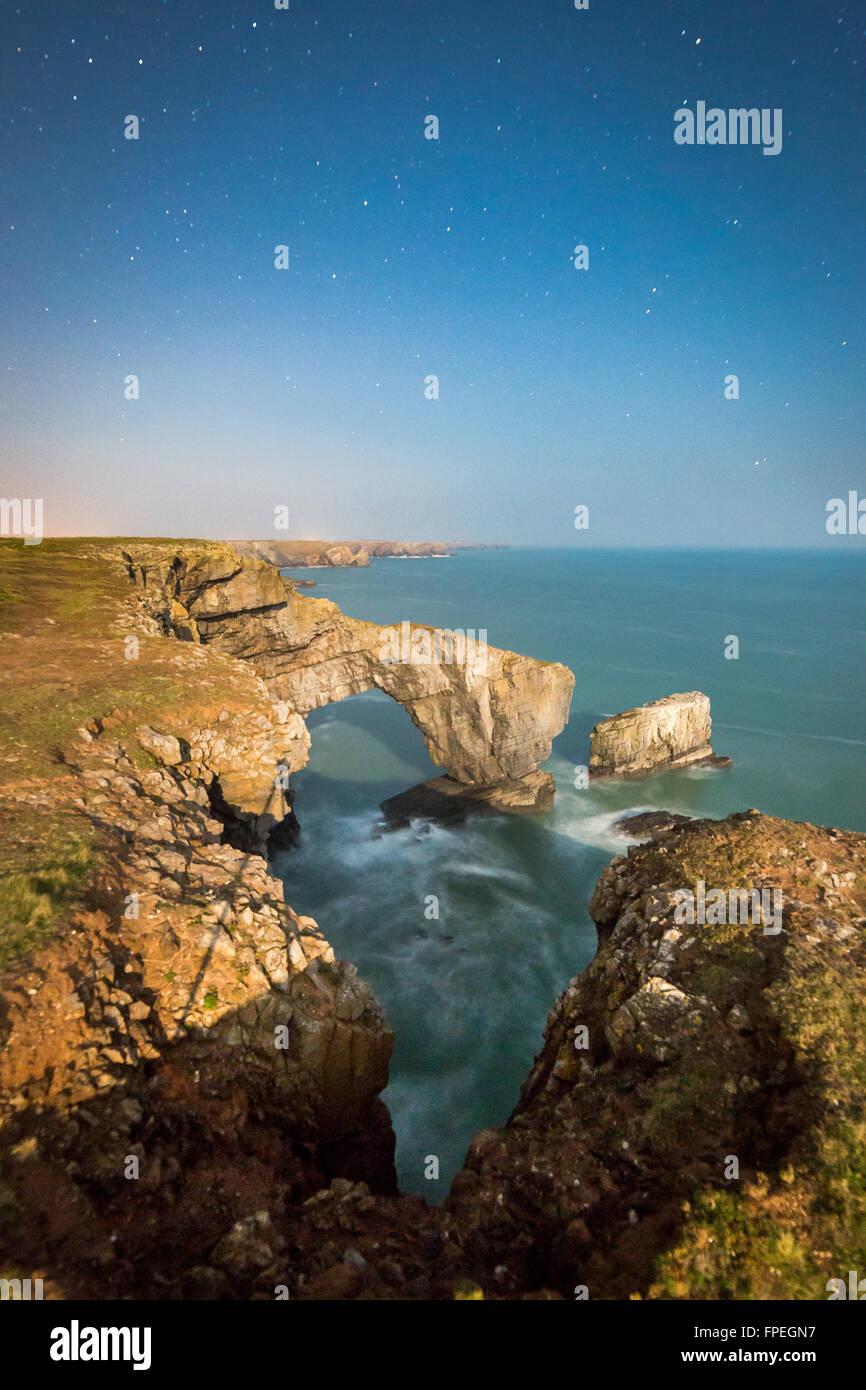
[291,553]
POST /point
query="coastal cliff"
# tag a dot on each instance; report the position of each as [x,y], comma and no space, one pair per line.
[485,722]
[692,1127]
[329,554]
[189,1080]
[298,554]
[180,1049]
[702,1138]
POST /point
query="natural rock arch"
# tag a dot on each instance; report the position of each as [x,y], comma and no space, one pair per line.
[484,723]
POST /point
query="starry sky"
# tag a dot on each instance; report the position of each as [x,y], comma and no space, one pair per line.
[408,257]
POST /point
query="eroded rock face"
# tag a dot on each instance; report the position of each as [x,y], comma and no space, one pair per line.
[482,727]
[679,1049]
[188,1020]
[344,555]
[672,732]
[483,722]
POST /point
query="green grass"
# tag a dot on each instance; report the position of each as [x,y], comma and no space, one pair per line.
[32,899]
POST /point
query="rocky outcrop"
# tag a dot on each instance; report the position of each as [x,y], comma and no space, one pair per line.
[178,1047]
[447,802]
[679,1050]
[692,1127]
[486,719]
[667,733]
[384,550]
[187,1030]
[344,555]
[225,976]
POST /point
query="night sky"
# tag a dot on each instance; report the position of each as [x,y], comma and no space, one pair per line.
[410,257]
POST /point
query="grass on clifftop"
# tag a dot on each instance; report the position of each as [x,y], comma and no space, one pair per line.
[784,1234]
[62,664]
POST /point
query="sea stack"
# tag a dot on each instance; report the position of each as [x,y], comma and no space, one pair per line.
[672,732]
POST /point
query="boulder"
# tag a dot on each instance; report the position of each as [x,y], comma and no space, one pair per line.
[164,747]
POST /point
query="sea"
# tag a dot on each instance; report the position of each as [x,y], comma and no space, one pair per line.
[468,933]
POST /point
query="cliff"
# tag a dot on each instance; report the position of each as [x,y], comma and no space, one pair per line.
[179,1048]
[178,1045]
[693,1125]
[297,554]
[302,553]
[667,733]
[486,721]
[189,1080]
[333,554]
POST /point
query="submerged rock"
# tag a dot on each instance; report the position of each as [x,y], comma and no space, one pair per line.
[448,802]
[646,825]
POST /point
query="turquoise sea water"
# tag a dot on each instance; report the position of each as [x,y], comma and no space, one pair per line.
[468,994]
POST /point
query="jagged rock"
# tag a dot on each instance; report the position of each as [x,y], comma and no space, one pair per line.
[209,1026]
[164,747]
[666,733]
[655,1023]
[695,1044]
[250,1246]
[180,623]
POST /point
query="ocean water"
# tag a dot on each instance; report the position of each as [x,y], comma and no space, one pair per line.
[468,992]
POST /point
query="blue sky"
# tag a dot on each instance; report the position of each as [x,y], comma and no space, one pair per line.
[410,257]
